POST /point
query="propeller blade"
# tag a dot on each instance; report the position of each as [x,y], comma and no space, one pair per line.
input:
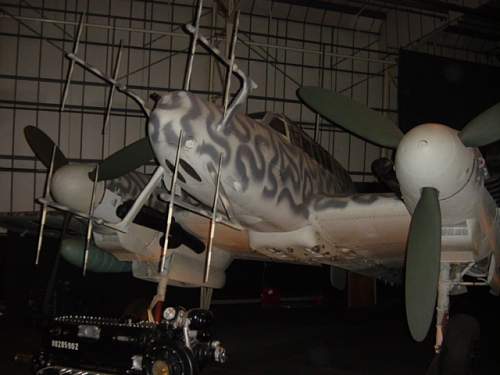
[482,129]
[125,160]
[423,259]
[352,116]
[42,146]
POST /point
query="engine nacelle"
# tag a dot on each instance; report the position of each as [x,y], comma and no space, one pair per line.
[72,187]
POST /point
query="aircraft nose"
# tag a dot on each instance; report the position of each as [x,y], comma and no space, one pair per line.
[72,187]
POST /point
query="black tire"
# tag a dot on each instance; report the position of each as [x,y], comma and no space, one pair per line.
[457,353]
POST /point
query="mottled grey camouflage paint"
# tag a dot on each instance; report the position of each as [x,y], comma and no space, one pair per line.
[339,201]
[263,174]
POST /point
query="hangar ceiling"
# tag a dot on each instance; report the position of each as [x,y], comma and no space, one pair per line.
[472,24]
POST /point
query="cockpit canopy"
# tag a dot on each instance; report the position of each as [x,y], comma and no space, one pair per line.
[290,131]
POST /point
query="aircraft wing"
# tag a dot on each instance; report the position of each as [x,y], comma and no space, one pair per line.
[364,233]
[28,223]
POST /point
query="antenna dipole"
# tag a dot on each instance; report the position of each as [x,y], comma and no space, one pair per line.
[171,205]
[192,50]
[72,64]
[232,56]
[112,88]
[90,223]
[44,204]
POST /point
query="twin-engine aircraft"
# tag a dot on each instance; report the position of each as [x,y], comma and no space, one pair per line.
[259,187]
[253,187]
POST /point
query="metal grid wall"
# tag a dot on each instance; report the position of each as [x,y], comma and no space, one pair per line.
[272,49]
[281,46]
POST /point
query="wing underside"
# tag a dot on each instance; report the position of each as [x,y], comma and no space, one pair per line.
[363,233]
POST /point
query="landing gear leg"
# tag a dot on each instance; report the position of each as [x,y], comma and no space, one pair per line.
[443,305]
[206,297]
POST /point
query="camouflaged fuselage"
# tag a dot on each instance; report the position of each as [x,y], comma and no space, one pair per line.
[268,182]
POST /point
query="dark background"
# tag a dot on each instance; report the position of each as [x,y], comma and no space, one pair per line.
[443,90]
